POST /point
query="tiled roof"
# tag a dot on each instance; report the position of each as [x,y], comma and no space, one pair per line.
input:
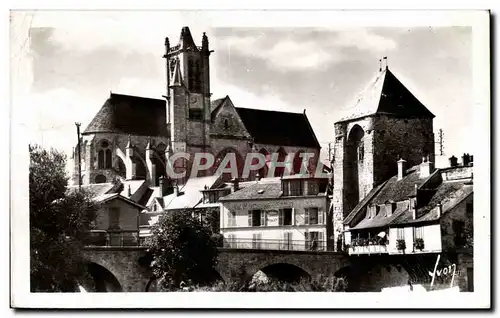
[449,194]
[190,193]
[278,128]
[387,95]
[97,189]
[363,202]
[397,190]
[266,190]
[130,115]
[112,196]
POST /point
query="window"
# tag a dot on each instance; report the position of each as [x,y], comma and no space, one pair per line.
[231,216]
[419,232]
[401,233]
[114,218]
[285,216]
[231,240]
[196,114]
[287,241]
[256,218]
[361,152]
[313,216]
[459,232]
[104,156]
[312,187]
[313,241]
[226,124]
[256,240]
[296,187]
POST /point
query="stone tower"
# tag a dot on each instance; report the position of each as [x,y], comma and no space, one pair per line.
[188,96]
[388,123]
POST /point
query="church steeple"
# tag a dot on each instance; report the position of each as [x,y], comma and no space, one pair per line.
[186,39]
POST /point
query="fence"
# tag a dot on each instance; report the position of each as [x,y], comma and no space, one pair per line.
[115,238]
[287,245]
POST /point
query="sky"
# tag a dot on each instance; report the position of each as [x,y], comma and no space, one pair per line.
[66,64]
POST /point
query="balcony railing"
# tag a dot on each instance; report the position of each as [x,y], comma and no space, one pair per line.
[112,238]
[368,249]
[286,245]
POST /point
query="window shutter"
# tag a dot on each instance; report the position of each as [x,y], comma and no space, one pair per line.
[320,240]
[262,218]
[306,216]
[249,218]
[306,236]
[280,217]
[320,216]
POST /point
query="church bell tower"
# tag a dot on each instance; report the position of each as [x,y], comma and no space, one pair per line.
[188,95]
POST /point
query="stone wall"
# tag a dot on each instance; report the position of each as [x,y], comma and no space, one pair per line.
[244,263]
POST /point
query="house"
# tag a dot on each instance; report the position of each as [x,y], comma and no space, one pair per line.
[422,216]
[117,219]
[277,213]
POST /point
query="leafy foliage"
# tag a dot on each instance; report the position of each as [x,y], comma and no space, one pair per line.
[183,250]
[401,245]
[59,222]
[322,284]
[419,244]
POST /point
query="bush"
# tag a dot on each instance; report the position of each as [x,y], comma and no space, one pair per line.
[183,251]
[419,244]
[401,245]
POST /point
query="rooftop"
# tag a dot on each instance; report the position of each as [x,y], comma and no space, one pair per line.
[132,115]
[385,94]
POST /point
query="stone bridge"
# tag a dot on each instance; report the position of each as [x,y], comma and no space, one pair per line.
[124,268]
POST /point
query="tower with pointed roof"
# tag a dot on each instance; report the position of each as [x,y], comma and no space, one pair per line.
[388,123]
[188,93]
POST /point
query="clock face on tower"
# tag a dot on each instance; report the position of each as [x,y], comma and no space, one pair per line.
[195,101]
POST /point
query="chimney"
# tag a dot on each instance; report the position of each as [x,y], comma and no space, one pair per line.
[258,177]
[235,186]
[176,190]
[426,167]
[453,161]
[465,159]
[163,186]
[401,168]
[439,210]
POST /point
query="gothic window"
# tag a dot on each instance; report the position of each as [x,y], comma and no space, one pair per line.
[104,158]
[226,124]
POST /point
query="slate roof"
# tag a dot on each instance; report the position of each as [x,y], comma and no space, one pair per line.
[387,95]
[397,190]
[97,189]
[278,128]
[448,194]
[116,196]
[132,115]
[259,190]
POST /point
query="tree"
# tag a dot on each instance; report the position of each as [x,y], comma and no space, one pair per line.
[59,221]
[182,250]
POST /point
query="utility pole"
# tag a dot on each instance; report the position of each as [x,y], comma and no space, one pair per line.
[79,156]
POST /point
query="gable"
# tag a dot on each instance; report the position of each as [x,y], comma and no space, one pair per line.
[227,122]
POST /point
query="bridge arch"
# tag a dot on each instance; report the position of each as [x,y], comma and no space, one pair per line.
[285,272]
[101,279]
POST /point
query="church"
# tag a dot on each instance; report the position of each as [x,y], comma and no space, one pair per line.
[131,137]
